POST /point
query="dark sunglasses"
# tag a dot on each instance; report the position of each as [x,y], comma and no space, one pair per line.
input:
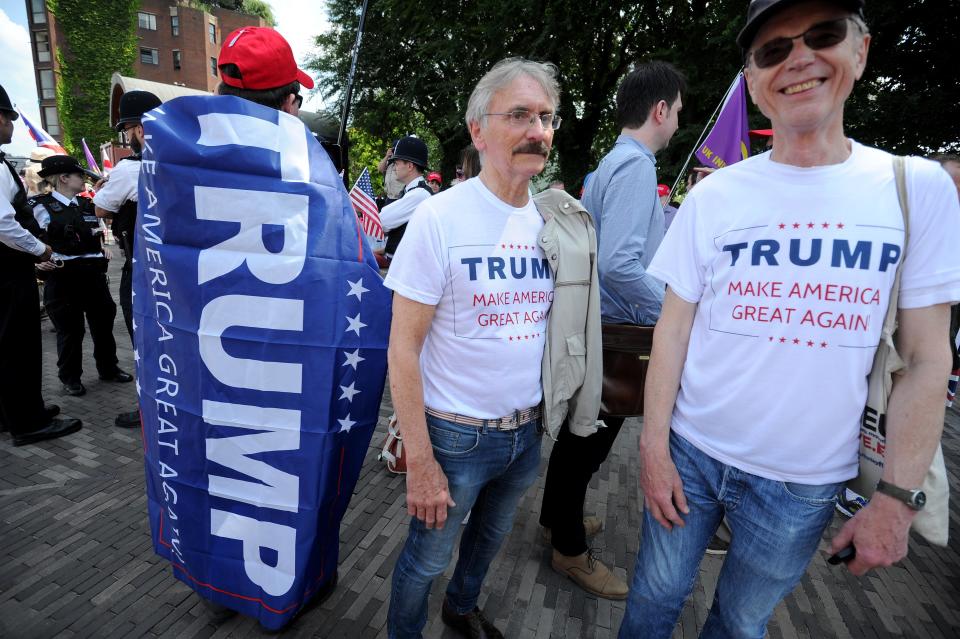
[822,35]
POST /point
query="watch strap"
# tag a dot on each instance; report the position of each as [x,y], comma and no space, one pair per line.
[902,494]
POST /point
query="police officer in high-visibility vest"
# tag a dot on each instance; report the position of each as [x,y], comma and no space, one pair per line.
[22,410]
[116,199]
[75,279]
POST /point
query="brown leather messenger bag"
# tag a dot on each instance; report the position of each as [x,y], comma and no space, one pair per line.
[626,354]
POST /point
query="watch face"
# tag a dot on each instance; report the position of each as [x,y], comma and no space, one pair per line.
[919,498]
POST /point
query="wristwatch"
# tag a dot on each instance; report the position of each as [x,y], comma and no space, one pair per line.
[915,499]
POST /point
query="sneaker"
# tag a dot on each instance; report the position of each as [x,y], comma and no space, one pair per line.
[472,625]
[849,502]
[592,525]
[591,574]
[58,427]
[718,546]
[119,376]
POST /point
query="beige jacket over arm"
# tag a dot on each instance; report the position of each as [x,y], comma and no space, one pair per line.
[572,368]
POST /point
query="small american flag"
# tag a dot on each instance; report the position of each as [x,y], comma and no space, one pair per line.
[361,195]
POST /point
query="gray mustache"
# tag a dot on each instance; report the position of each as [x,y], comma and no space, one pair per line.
[535,148]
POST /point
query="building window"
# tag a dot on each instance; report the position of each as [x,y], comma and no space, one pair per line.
[43,46]
[149,56]
[48,86]
[176,59]
[147,21]
[38,9]
[213,67]
[175,25]
[212,32]
[53,120]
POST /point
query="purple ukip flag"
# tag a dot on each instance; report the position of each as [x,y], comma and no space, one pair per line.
[729,140]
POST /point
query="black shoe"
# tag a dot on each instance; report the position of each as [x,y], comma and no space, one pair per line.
[56,428]
[472,625]
[51,410]
[117,376]
[74,388]
[128,420]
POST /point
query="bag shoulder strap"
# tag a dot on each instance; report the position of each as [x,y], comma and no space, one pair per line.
[900,177]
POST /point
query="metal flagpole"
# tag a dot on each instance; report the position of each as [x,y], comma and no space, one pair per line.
[348,96]
[703,133]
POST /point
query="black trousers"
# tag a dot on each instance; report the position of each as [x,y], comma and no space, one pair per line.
[573,462]
[126,294]
[21,402]
[77,291]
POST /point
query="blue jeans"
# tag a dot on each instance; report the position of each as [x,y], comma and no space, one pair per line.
[775,525]
[488,471]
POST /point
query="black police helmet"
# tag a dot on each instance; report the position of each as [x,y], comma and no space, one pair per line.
[57,164]
[6,105]
[411,149]
[133,104]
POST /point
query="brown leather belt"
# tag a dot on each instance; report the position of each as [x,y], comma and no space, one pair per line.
[510,422]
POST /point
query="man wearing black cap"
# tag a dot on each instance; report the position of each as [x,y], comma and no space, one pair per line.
[409,160]
[117,199]
[22,411]
[780,270]
[75,281]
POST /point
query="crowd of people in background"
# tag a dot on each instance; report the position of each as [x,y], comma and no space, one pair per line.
[500,296]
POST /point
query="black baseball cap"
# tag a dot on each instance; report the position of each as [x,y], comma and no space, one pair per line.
[760,11]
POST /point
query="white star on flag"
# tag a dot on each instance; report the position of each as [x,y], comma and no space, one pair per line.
[136,355]
[356,288]
[349,391]
[138,386]
[355,324]
[133,294]
[353,359]
[346,424]
[133,321]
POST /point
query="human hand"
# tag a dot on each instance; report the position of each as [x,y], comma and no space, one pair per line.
[662,486]
[47,253]
[101,182]
[46,266]
[879,532]
[428,495]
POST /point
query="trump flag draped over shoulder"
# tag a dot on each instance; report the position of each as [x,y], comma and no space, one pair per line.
[261,326]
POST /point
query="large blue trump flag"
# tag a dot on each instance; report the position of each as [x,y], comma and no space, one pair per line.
[261,326]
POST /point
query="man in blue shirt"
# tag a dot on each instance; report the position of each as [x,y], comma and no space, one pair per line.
[622,197]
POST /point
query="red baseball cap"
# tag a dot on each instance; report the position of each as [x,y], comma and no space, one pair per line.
[434,177]
[663,189]
[264,58]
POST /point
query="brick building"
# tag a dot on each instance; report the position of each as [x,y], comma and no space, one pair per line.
[178,44]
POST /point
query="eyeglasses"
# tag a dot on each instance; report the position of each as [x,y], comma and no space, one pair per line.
[521,118]
[822,35]
[299,100]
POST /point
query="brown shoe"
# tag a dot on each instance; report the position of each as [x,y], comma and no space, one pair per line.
[591,526]
[590,574]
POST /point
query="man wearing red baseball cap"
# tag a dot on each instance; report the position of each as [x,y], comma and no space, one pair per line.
[257,64]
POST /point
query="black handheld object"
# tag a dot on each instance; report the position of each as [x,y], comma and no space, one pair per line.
[844,556]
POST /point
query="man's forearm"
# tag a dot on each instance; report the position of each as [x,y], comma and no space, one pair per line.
[406,388]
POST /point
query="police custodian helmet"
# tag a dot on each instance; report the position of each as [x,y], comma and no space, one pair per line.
[133,104]
[6,105]
[411,149]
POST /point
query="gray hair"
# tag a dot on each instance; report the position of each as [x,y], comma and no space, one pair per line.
[501,75]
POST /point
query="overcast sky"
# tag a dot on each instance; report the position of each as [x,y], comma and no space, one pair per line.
[299,22]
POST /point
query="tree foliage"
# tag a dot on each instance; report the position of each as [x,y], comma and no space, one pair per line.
[94,32]
[421,60]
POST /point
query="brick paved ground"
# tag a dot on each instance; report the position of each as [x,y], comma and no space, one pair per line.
[76,561]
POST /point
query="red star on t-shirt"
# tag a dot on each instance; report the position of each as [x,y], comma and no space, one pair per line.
[809,343]
[823,344]
[796,225]
[503,246]
[810,225]
[783,226]
[783,340]
[511,338]
[796,341]
[770,338]
[839,225]
[511,246]
[825,225]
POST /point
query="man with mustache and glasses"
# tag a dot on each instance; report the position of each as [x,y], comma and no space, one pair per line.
[622,196]
[474,284]
[116,199]
[758,377]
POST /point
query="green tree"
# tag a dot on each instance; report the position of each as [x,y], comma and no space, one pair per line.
[422,60]
[100,38]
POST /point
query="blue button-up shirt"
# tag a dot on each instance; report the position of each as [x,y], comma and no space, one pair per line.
[622,196]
